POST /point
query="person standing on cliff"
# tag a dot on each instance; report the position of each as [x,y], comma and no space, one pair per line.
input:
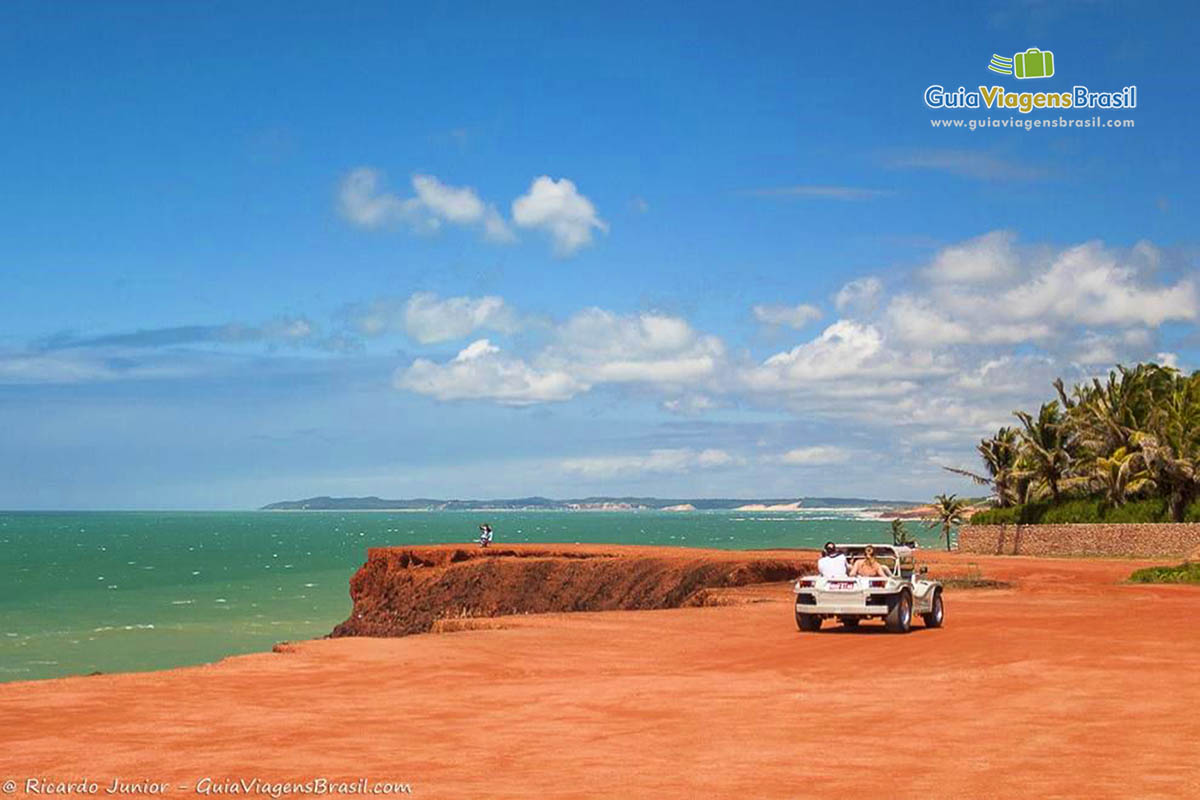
[485,535]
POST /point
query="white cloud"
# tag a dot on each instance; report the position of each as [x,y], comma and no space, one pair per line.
[791,316]
[481,371]
[915,320]
[690,405]
[920,320]
[844,348]
[847,358]
[669,460]
[603,347]
[558,208]
[997,384]
[1089,285]
[289,329]
[495,229]
[592,347]
[860,295]
[987,259]
[428,319]
[815,455]
[362,202]
[555,207]
[1045,297]
[1097,350]
[451,203]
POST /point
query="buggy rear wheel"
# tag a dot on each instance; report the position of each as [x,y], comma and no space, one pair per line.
[937,612]
[899,616]
[808,622]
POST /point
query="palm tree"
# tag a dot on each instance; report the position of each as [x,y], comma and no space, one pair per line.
[1120,475]
[899,535]
[950,511]
[1045,444]
[1171,445]
[1137,432]
[1105,416]
[1000,456]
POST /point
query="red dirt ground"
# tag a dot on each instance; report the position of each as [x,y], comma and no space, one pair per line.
[1068,685]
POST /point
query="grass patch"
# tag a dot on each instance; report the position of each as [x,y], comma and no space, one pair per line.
[972,579]
[967,582]
[1188,572]
[973,582]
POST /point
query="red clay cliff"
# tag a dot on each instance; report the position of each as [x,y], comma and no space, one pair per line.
[404,590]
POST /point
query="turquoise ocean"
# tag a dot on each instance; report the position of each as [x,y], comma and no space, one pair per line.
[126,591]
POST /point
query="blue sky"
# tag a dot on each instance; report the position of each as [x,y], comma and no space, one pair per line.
[270,251]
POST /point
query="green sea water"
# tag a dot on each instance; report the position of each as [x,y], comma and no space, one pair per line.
[121,591]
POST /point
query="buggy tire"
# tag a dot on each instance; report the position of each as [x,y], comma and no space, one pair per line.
[809,623]
[937,612]
[899,616]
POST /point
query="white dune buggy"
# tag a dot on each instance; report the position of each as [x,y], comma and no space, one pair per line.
[851,600]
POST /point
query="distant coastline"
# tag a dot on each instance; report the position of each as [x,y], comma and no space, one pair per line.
[372,503]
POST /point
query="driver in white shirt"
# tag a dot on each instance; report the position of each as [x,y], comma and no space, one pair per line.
[832,564]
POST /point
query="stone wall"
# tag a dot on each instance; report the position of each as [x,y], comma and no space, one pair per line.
[1134,540]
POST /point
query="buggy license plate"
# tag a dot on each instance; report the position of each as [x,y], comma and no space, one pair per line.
[842,586]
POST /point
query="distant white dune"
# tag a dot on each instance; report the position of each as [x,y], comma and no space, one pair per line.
[777,507]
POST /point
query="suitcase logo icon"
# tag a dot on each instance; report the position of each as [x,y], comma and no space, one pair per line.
[1033,63]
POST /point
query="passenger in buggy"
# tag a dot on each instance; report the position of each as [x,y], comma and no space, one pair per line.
[868,566]
[832,564]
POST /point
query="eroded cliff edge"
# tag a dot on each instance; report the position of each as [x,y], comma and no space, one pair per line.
[403,590]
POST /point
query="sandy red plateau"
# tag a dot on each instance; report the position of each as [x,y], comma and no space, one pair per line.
[1068,684]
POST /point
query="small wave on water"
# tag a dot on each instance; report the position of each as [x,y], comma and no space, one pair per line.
[149,626]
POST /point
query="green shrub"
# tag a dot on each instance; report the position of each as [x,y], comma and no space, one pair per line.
[1184,573]
[996,516]
[1083,509]
[1019,515]
[1152,510]
[1076,510]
